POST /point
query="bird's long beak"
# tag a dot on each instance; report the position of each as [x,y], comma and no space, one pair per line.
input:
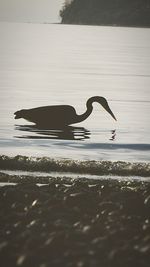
[110,112]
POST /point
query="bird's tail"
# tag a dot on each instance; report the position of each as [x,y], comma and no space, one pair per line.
[18,114]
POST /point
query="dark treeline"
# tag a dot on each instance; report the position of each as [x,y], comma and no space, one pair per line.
[107,12]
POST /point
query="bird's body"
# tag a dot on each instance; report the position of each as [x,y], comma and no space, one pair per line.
[60,115]
[51,115]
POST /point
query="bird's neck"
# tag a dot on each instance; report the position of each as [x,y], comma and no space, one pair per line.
[85,115]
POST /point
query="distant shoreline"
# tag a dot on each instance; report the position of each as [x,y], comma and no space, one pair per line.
[70,24]
[104,25]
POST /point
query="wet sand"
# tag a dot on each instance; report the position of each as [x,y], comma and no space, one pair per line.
[74,222]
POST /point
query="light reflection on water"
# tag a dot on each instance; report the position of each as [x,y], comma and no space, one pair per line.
[60,64]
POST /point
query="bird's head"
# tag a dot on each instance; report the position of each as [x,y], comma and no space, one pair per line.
[101,100]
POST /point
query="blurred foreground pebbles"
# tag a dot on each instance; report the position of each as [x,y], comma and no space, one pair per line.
[74,222]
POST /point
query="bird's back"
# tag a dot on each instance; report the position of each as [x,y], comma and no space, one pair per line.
[50,115]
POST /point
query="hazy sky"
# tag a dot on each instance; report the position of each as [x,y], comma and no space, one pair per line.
[30,10]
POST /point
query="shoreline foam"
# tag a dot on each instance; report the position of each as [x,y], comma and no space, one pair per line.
[45,164]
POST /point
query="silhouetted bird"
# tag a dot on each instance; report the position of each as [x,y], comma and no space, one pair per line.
[61,115]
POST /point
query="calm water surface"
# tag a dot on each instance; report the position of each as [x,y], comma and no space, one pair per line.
[62,64]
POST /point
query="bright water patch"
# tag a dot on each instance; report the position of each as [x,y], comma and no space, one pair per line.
[62,64]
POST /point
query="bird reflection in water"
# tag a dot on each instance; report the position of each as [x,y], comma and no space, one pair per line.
[65,133]
[113,136]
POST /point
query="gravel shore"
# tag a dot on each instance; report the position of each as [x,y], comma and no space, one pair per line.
[74,222]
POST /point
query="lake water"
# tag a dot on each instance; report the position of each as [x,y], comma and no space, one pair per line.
[43,64]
